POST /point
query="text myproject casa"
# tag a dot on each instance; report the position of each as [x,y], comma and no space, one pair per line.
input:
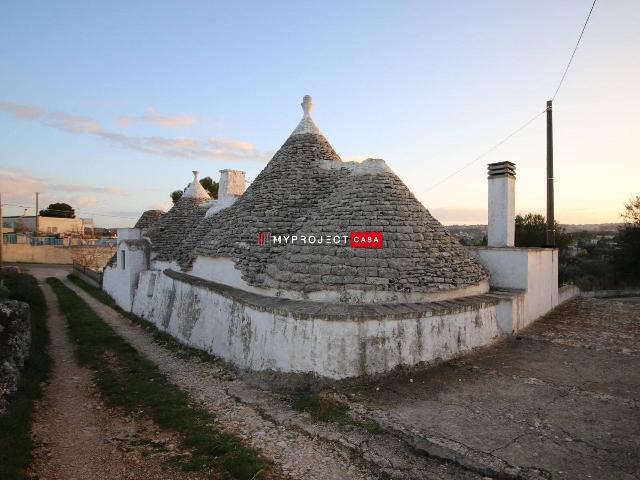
[355,238]
[311,239]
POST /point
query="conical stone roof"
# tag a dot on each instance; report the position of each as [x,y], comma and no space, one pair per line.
[306,189]
[167,233]
[418,254]
[291,185]
[148,218]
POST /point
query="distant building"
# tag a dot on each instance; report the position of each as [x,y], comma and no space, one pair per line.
[49,225]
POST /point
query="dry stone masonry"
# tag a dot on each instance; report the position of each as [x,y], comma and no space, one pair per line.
[148,218]
[15,339]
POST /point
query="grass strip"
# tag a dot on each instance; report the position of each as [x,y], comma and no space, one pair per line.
[128,380]
[162,338]
[15,439]
[320,408]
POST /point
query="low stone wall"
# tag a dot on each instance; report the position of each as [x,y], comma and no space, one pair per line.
[567,292]
[610,293]
[15,339]
[90,276]
[26,253]
[330,340]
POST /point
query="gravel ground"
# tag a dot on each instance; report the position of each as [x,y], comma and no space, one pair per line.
[297,454]
[77,437]
[300,447]
[560,400]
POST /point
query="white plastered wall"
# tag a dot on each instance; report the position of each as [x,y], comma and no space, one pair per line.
[263,340]
[120,282]
[532,270]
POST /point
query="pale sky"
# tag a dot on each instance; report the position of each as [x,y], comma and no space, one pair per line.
[108,106]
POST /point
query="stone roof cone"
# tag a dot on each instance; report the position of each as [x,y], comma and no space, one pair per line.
[306,189]
[148,218]
[292,183]
[167,233]
[418,256]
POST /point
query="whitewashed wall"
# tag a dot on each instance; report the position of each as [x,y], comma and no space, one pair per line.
[121,282]
[532,270]
[263,340]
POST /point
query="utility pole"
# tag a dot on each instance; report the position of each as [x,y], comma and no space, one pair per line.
[37,215]
[551,229]
[1,231]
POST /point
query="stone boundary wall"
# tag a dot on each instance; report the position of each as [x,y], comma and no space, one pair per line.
[610,293]
[90,276]
[25,253]
[567,292]
[15,340]
[330,340]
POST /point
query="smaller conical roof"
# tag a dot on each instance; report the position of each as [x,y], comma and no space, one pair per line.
[167,234]
[148,218]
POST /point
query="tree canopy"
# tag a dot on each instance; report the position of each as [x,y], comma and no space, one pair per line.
[631,213]
[627,254]
[531,231]
[59,210]
[207,183]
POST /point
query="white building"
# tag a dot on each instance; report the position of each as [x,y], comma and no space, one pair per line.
[218,275]
[49,225]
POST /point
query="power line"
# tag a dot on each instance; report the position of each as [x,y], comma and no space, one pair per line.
[487,152]
[67,211]
[526,124]
[574,50]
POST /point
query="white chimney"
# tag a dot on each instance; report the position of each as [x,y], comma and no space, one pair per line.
[231,183]
[502,204]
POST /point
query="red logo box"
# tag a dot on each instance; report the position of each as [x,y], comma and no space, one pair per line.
[263,238]
[365,239]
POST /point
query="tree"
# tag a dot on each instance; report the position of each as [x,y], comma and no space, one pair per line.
[175,195]
[531,231]
[627,254]
[631,214]
[207,183]
[59,210]
[93,257]
[210,186]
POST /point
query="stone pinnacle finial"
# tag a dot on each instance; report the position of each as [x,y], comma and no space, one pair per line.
[306,125]
[307,105]
[194,189]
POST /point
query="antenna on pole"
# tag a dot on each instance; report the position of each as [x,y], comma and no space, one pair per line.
[37,214]
[551,229]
